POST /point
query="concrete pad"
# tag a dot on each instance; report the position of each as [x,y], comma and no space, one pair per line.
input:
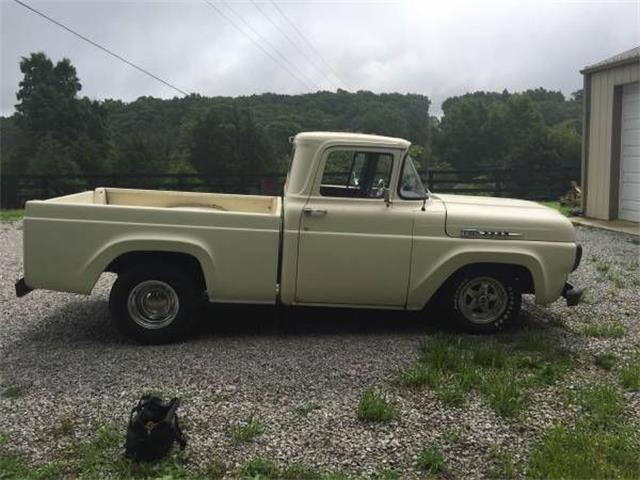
[620,226]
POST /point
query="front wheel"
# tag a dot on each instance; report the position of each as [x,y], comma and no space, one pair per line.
[153,303]
[484,300]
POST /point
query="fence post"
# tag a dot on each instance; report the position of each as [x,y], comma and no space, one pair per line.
[430,179]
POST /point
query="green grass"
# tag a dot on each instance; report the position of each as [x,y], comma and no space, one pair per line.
[504,393]
[249,430]
[8,215]
[215,469]
[606,361]
[259,467]
[374,407]
[604,330]
[501,368]
[617,279]
[13,391]
[602,404]
[602,443]
[563,209]
[300,471]
[579,453]
[430,460]
[630,376]
[502,466]
[306,408]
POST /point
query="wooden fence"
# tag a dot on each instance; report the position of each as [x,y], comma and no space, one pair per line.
[534,185]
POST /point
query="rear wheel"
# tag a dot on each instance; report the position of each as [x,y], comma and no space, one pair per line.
[484,300]
[153,303]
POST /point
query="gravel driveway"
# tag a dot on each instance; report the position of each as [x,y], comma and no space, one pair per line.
[301,372]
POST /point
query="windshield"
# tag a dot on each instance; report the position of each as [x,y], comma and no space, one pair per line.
[411,186]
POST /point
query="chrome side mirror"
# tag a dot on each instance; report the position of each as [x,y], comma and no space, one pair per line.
[385,196]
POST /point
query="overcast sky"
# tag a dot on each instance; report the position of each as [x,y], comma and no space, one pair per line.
[435,48]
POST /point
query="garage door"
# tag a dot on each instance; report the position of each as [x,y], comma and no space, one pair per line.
[629,201]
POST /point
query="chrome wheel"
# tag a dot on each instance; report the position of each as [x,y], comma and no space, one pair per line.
[153,304]
[483,300]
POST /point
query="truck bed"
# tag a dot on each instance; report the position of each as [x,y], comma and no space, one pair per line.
[69,241]
[169,199]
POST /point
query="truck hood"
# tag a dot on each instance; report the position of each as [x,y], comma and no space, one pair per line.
[504,218]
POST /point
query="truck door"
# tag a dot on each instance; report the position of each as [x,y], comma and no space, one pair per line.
[354,248]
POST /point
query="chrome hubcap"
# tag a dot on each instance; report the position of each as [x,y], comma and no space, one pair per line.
[483,300]
[153,304]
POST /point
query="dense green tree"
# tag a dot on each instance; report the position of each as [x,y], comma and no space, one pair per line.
[530,131]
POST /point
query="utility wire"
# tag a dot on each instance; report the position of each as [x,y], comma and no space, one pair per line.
[282,61]
[308,42]
[293,43]
[261,37]
[104,49]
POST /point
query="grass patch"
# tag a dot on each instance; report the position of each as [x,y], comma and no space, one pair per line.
[606,361]
[630,376]
[264,468]
[374,407]
[387,474]
[14,466]
[500,368]
[430,460]
[602,443]
[616,279]
[504,393]
[11,215]
[603,267]
[215,469]
[300,471]
[604,330]
[603,404]
[502,466]
[13,391]
[579,452]
[259,467]
[556,205]
[251,429]
[306,408]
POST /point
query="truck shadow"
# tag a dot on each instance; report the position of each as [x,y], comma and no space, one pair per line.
[88,321]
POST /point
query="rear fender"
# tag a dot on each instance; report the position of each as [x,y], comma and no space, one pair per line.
[99,262]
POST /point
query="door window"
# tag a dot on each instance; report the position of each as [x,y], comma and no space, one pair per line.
[349,173]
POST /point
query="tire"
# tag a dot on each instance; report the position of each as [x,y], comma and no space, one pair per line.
[154,303]
[484,300]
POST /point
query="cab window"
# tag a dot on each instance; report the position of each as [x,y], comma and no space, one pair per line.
[354,174]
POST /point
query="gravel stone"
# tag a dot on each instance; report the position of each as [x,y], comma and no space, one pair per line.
[273,363]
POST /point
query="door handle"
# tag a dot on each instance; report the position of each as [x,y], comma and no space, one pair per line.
[314,212]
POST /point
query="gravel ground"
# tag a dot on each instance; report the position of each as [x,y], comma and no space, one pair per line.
[61,352]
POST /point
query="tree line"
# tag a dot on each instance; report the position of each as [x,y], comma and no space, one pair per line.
[55,130]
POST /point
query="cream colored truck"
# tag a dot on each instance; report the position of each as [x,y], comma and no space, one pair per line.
[354,228]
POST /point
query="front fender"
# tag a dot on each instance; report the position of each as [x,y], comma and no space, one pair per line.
[434,262]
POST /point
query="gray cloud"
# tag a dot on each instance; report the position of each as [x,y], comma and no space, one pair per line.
[438,49]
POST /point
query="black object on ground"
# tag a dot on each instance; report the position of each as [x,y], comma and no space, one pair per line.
[153,428]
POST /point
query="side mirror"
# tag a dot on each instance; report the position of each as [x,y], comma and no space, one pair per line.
[385,196]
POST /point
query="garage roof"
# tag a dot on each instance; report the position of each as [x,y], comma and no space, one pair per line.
[624,58]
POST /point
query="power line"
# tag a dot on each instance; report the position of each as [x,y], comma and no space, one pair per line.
[293,43]
[257,34]
[282,61]
[308,42]
[104,49]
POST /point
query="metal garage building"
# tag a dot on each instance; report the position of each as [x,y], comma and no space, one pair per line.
[611,138]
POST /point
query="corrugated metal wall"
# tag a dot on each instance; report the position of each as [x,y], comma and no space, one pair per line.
[600,131]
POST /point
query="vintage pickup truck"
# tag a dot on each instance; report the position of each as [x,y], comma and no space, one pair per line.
[354,228]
